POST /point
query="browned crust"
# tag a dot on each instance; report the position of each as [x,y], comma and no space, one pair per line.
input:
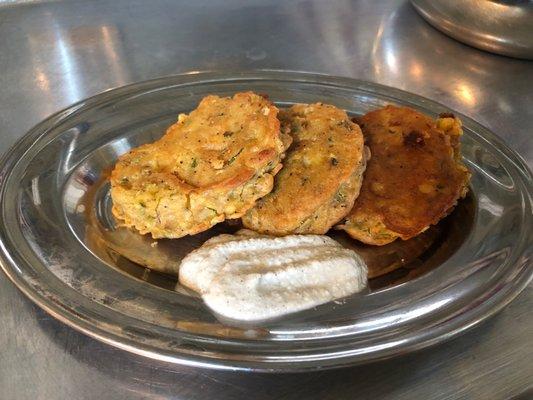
[321,177]
[211,165]
[414,178]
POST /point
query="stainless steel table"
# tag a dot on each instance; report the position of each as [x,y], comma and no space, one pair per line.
[55,53]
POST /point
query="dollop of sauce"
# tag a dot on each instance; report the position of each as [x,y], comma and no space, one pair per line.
[250,277]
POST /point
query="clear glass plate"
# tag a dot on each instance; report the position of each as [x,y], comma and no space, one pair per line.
[59,244]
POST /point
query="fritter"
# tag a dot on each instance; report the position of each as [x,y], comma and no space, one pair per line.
[321,176]
[414,178]
[211,165]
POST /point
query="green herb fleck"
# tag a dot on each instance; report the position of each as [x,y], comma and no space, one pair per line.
[194,163]
[228,134]
[212,209]
[345,124]
[235,156]
[334,161]
[340,197]
[295,128]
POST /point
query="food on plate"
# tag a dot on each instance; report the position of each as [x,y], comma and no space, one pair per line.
[414,178]
[210,165]
[223,161]
[251,277]
[321,176]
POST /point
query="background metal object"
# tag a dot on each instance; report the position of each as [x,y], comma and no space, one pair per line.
[498,26]
[53,54]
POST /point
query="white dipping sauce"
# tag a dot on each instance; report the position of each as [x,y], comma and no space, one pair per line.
[251,277]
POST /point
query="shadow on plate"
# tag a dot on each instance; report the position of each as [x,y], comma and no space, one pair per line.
[157,261]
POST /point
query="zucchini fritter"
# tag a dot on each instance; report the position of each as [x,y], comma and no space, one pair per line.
[414,178]
[211,165]
[321,176]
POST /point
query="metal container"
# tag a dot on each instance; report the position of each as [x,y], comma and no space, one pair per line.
[503,27]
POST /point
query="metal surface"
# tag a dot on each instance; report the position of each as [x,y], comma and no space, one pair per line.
[54,54]
[53,180]
[499,26]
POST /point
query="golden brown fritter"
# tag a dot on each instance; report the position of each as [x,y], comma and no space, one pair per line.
[414,178]
[321,176]
[211,165]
